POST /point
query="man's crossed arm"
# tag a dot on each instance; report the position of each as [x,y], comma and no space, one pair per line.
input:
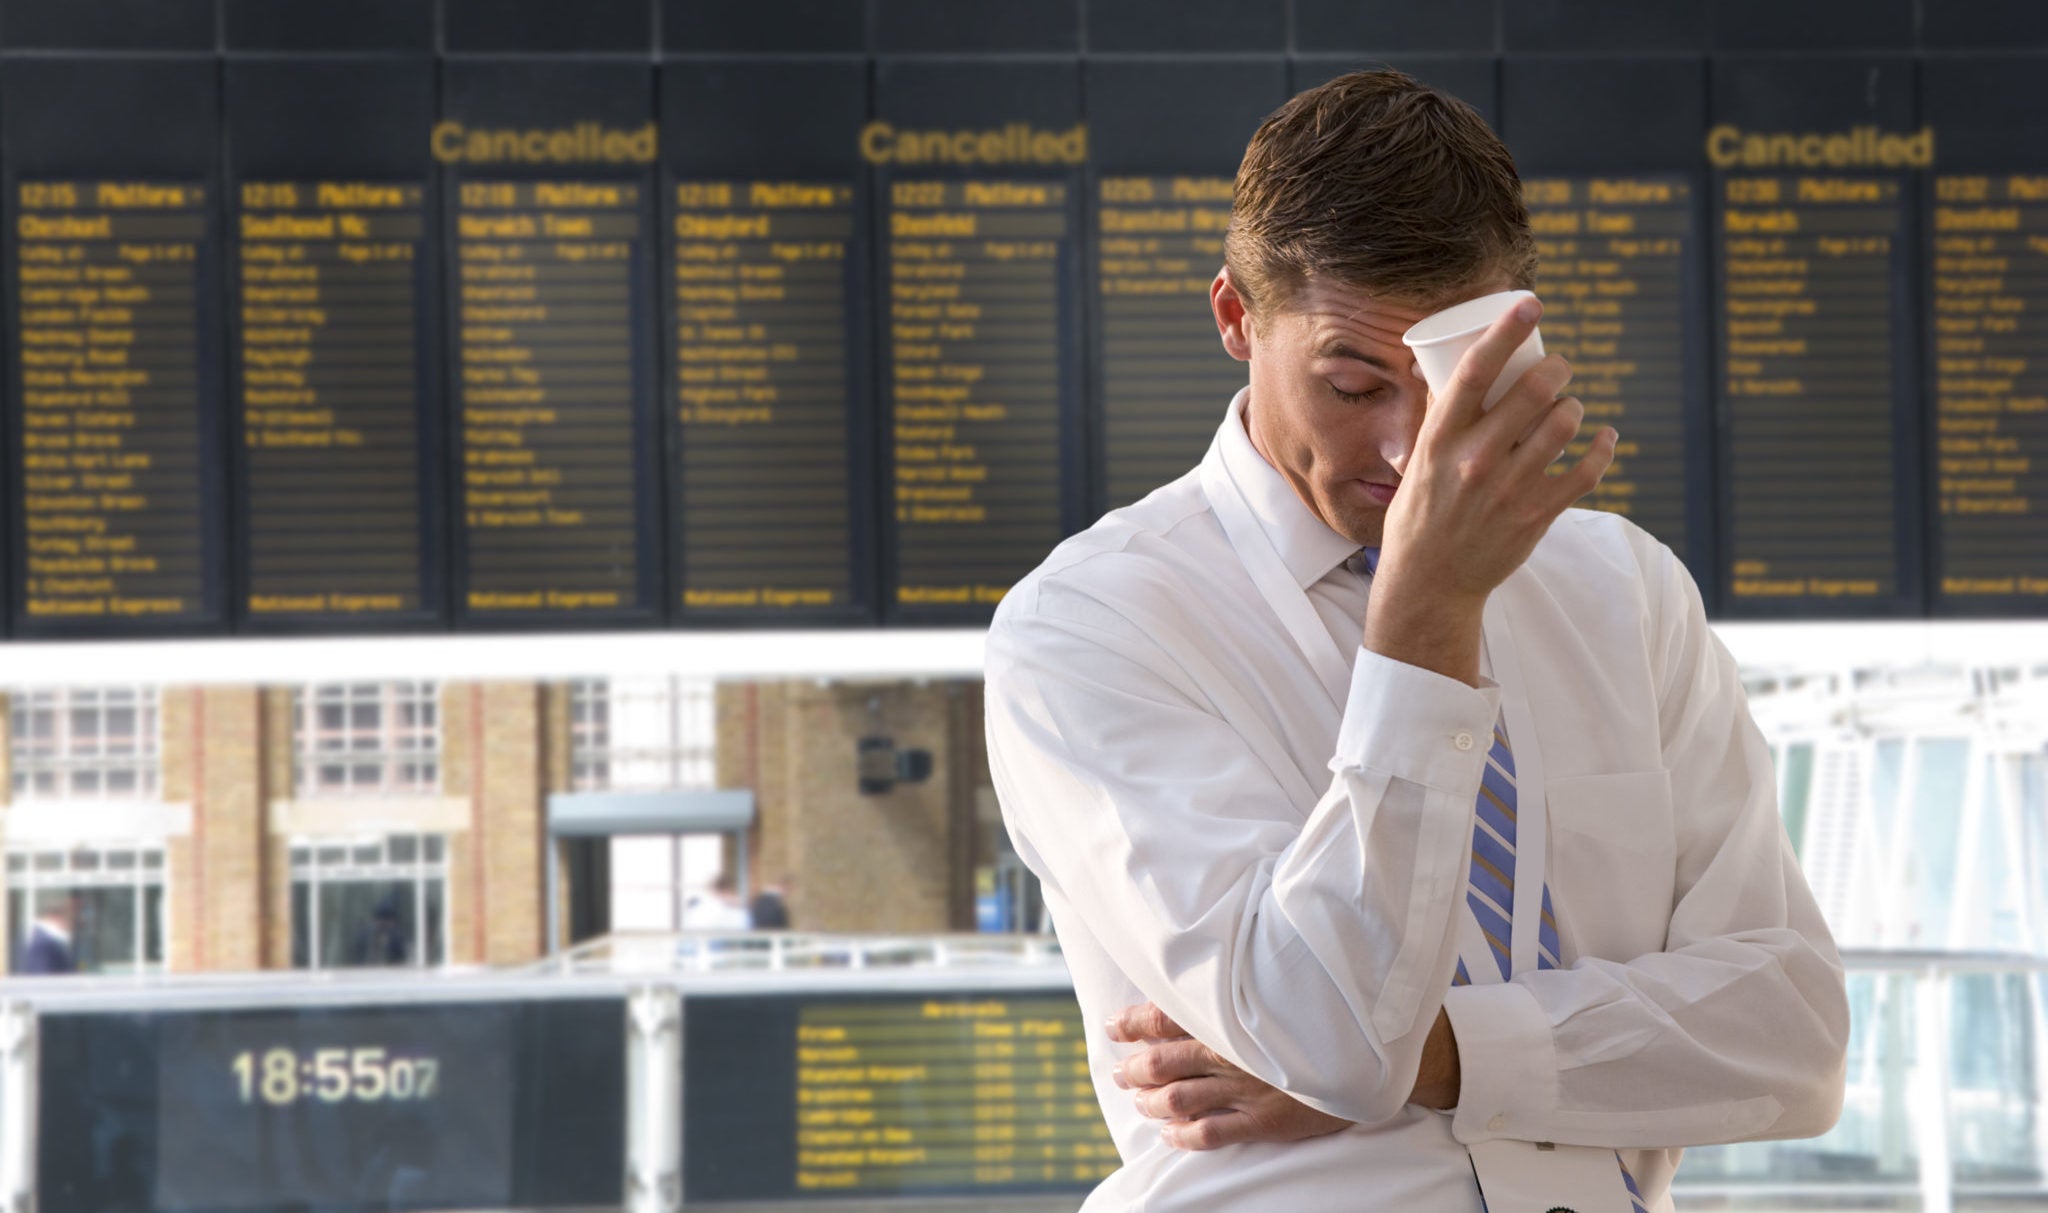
[1206,1102]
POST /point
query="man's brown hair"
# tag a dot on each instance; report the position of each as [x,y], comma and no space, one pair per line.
[1379,183]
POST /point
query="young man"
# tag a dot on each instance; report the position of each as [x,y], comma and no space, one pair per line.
[1427,808]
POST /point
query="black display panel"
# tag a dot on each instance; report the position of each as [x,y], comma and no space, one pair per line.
[114,310]
[1159,205]
[1987,316]
[786,26]
[550,26]
[829,1096]
[1448,25]
[1184,25]
[335,370]
[1818,377]
[770,401]
[136,25]
[1603,26]
[979,305]
[923,27]
[553,357]
[514,1105]
[1619,222]
[361,25]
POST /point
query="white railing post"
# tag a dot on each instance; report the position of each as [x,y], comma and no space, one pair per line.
[654,1100]
[1929,1090]
[18,1107]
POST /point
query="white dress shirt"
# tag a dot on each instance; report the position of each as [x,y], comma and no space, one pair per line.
[1240,814]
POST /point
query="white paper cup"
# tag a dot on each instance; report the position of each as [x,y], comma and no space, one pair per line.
[1440,339]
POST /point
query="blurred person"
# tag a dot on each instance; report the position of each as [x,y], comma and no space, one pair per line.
[383,940]
[1275,737]
[49,948]
[716,907]
[769,911]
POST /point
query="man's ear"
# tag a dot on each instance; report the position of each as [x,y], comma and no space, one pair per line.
[1233,320]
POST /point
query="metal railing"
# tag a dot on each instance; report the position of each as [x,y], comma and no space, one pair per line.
[777,951]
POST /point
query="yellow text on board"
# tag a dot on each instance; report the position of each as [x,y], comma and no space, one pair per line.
[1858,147]
[580,143]
[1015,143]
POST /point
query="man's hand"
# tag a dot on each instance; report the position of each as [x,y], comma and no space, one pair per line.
[1205,1101]
[1208,1102]
[1475,497]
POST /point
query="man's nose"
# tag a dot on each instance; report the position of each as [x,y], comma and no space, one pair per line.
[1403,423]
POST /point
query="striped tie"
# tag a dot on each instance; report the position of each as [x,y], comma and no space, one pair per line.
[1490,893]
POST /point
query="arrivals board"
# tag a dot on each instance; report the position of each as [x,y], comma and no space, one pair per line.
[1985,295]
[508,1105]
[316,329]
[1159,205]
[977,309]
[1817,354]
[1613,280]
[551,322]
[880,1096]
[114,309]
[770,389]
[334,371]
[1609,155]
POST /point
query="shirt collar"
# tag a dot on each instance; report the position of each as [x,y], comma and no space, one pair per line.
[54,931]
[1307,545]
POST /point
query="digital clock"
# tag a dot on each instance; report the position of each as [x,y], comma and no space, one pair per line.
[500,1104]
[281,1076]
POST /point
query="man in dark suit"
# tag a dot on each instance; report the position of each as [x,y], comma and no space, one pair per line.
[49,949]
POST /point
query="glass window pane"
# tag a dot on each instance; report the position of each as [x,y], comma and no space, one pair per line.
[437,947]
[302,925]
[367,923]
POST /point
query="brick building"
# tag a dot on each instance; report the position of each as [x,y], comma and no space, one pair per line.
[224,827]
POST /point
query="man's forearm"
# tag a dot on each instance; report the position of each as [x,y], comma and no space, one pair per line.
[1435,636]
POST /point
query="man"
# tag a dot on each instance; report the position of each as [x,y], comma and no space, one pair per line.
[48,949]
[1279,739]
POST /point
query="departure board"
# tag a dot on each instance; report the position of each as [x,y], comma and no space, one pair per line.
[1166,380]
[976,272]
[762,397]
[330,279]
[500,1104]
[550,371]
[889,1095]
[1807,328]
[1612,278]
[1988,304]
[115,426]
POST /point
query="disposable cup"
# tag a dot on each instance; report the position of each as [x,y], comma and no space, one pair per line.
[1441,339]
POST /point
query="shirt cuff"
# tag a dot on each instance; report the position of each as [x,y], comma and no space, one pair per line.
[1507,1064]
[1416,724]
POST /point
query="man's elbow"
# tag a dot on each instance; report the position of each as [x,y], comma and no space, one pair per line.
[1812,1102]
[1812,1090]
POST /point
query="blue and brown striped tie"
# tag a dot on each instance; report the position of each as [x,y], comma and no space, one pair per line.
[1490,892]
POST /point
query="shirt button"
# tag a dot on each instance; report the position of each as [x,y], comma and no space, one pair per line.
[1496,1124]
[1463,741]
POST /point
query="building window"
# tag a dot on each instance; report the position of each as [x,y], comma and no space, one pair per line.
[643,734]
[649,734]
[109,900]
[368,737]
[590,765]
[85,743]
[379,901]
